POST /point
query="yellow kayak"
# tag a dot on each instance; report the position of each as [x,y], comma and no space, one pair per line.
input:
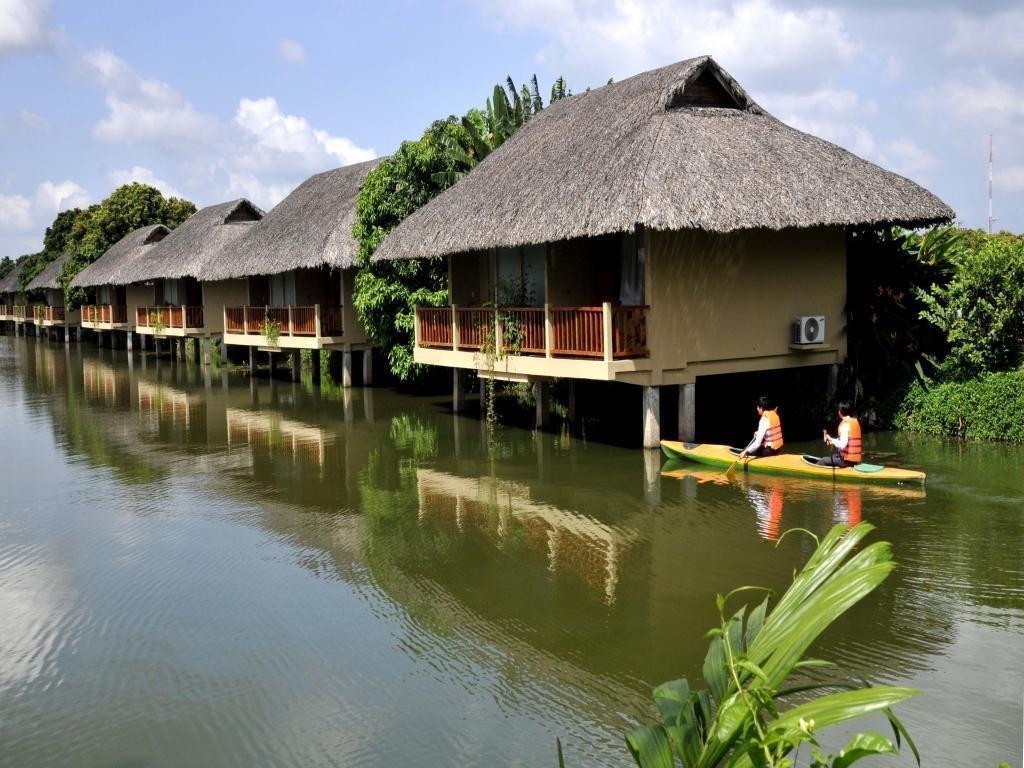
[791,464]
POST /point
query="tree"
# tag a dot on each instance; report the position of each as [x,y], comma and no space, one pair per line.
[6,265]
[386,293]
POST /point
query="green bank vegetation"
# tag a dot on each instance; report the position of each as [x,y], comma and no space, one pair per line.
[936,329]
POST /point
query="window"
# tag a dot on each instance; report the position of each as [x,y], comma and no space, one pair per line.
[282,289]
[631,286]
[170,293]
[521,276]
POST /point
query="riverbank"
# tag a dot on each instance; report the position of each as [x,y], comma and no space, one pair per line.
[990,407]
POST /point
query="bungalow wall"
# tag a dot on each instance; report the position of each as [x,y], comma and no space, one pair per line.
[219,294]
[724,303]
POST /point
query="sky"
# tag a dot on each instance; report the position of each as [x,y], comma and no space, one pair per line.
[215,101]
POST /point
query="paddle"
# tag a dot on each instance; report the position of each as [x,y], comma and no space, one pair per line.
[731,471]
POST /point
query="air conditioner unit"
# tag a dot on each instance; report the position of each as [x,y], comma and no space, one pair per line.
[809,330]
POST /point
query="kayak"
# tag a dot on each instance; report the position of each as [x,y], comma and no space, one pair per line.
[791,464]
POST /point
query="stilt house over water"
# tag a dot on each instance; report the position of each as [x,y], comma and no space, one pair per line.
[106,281]
[13,309]
[297,268]
[652,231]
[52,313]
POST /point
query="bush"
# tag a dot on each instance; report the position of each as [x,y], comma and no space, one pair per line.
[981,309]
[987,408]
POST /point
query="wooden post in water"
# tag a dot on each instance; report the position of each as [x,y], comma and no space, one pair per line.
[346,368]
[540,398]
[458,391]
[687,412]
[297,363]
[368,367]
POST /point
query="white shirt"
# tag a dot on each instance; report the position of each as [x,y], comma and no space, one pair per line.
[844,436]
[762,429]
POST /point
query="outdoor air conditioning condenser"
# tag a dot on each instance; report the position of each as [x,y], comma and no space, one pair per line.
[809,330]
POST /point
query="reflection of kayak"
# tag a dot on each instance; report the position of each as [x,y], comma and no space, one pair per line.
[791,464]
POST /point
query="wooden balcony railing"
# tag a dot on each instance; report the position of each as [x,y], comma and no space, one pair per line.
[21,312]
[169,317]
[607,332]
[104,313]
[290,321]
[50,314]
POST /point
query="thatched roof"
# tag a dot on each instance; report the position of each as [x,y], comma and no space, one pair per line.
[682,147]
[9,283]
[112,267]
[49,277]
[311,227]
[196,241]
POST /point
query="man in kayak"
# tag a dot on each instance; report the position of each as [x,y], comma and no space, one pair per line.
[768,438]
[848,445]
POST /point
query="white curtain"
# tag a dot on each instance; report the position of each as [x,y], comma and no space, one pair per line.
[631,290]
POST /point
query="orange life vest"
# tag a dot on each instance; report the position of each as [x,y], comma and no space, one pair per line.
[773,437]
[854,450]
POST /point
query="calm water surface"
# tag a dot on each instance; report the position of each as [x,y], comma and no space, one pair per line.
[217,571]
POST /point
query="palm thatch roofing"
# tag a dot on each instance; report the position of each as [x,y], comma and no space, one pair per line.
[197,240]
[681,147]
[311,227]
[110,268]
[49,277]
[9,283]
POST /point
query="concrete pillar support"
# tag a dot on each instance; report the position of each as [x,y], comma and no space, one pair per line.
[346,369]
[540,397]
[252,361]
[368,367]
[297,363]
[272,362]
[315,356]
[205,341]
[652,417]
[687,412]
[128,341]
[458,391]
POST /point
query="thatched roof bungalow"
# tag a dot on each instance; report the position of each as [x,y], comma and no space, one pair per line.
[11,294]
[297,265]
[53,313]
[652,231]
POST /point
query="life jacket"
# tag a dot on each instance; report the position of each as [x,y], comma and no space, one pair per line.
[854,450]
[773,437]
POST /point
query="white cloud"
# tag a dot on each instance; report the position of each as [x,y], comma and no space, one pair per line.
[981,96]
[275,137]
[906,157]
[1011,179]
[262,153]
[833,114]
[33,121]
[291,51]
[622,37]
[997,35]
[53,197]
[15,213]
[24,25]
[144,110]
[143,176]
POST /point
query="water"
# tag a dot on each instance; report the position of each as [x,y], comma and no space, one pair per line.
[216,571]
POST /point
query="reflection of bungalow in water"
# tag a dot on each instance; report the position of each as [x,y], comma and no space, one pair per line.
[13,308]
[572,542]
[153,273]
[104,383]
[269,429]
[652,231]
[53,312]
[168,403]
[294,273]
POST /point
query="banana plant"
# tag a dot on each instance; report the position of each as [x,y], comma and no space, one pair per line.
[741,719]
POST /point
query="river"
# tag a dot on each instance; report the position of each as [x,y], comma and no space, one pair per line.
[203,569]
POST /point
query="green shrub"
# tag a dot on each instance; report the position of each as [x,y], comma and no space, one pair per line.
[981,309]
[987,408]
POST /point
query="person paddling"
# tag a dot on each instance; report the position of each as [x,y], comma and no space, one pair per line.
[848,445]
[768,438]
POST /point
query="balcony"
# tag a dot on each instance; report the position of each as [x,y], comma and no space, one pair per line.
[577,342]
[21,313]
[54,316]
[290,327]
[6,312]
[169,321]
[105,317]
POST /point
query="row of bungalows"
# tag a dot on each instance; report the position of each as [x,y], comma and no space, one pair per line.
[652,232]
[279,282]
[13,307]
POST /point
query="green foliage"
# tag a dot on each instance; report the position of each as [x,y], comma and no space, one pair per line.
[990,407]
[980,310]
[740,719]
[386,293]
[87,234]
[271,330]
[6,265]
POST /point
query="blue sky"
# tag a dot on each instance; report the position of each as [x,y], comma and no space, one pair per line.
[214,101]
